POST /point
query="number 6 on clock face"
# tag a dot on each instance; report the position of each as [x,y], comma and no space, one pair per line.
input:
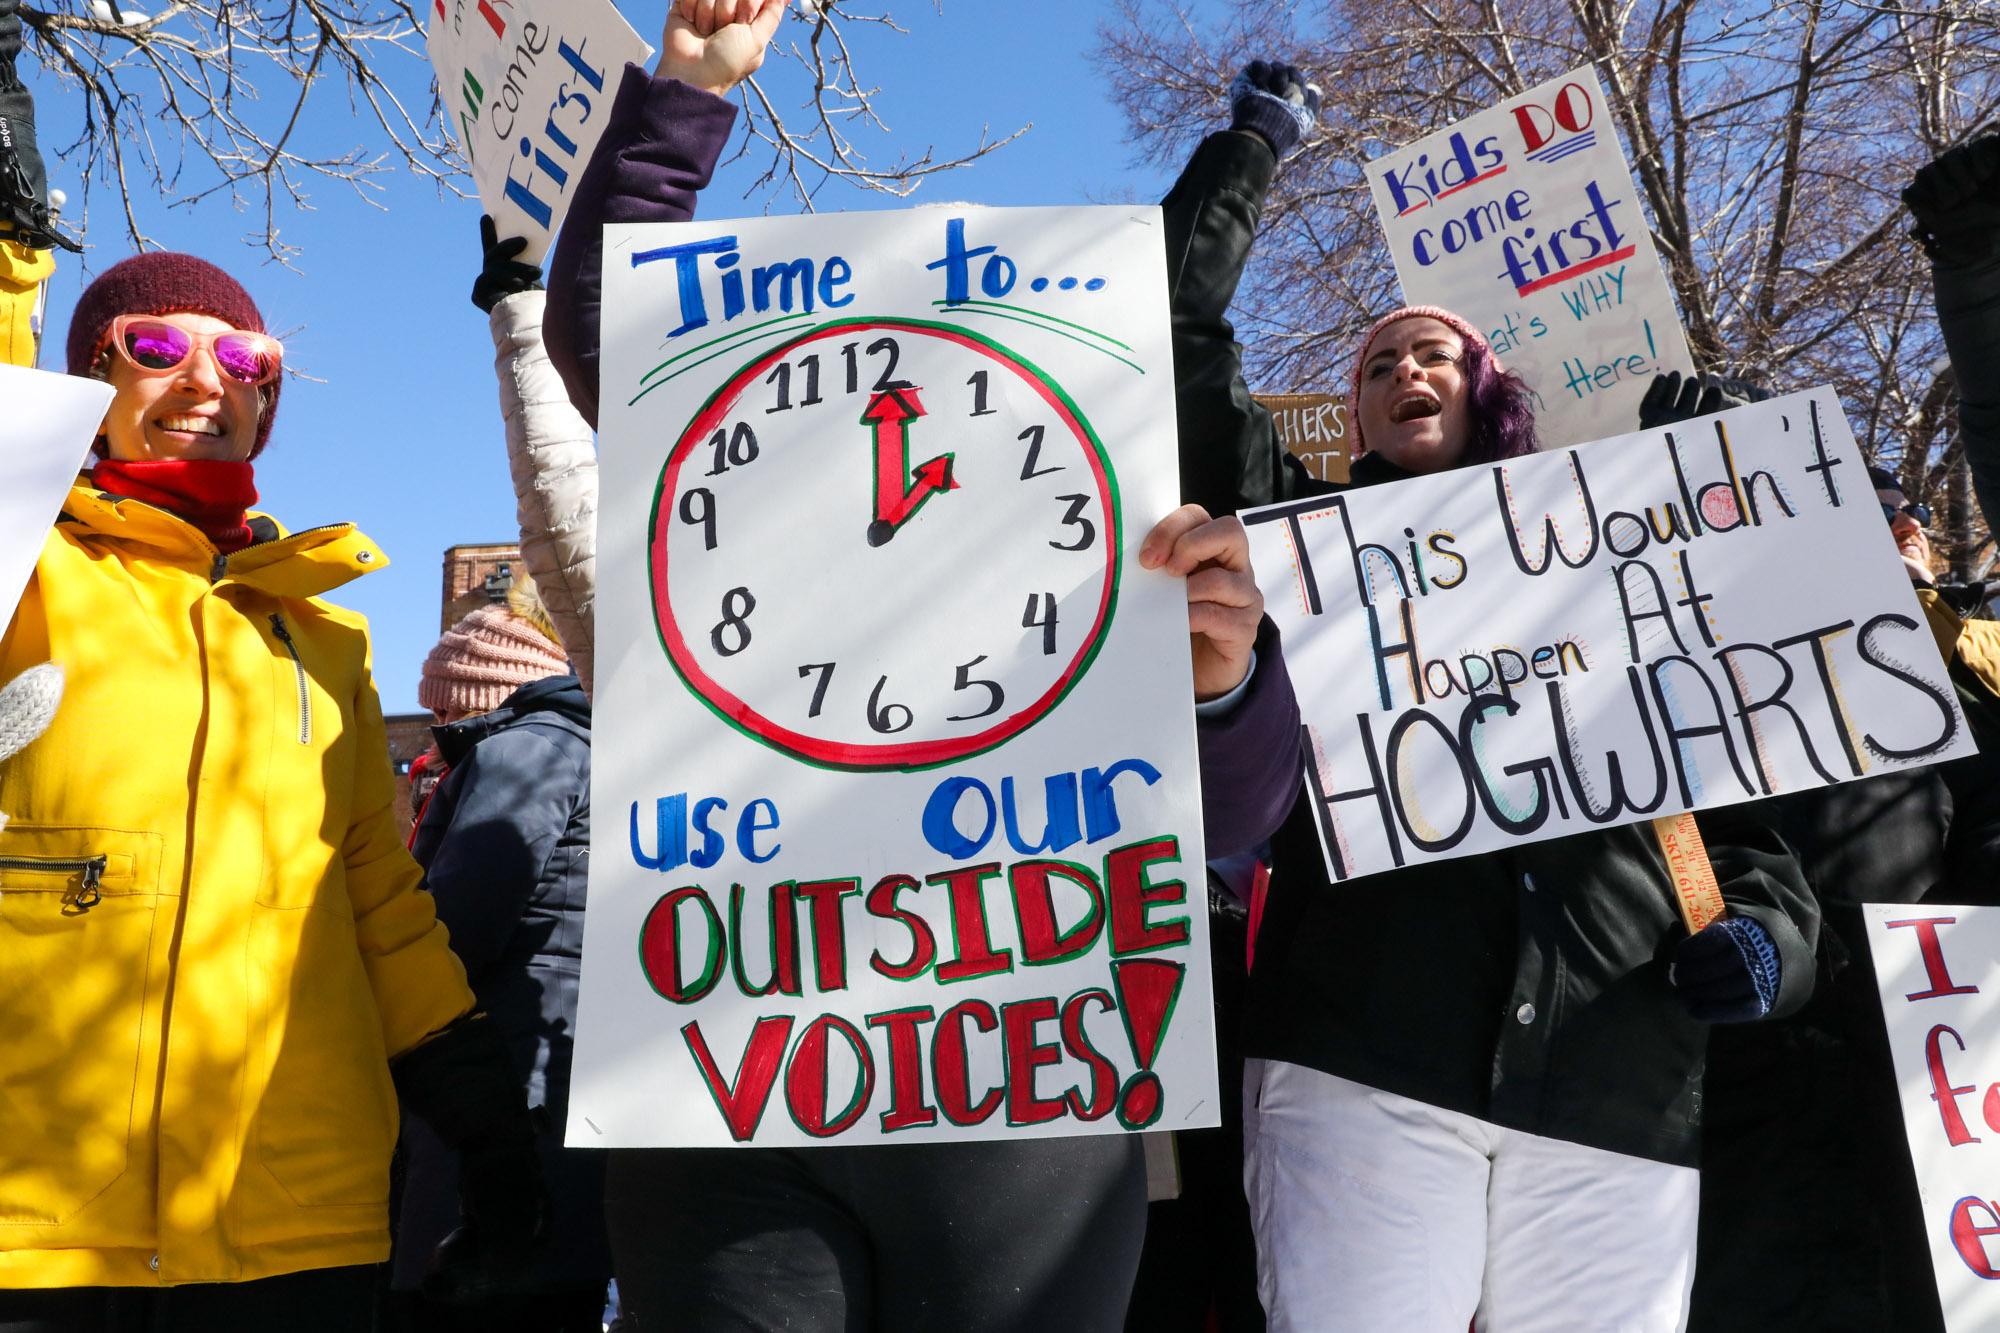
[885,544]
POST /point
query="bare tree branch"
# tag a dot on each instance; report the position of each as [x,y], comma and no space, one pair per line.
[1771,143]
[200,100]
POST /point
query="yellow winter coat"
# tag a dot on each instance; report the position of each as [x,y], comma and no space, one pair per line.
[211,937]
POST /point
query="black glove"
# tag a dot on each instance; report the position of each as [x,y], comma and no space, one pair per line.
[1275,101]
[504,273]
[464,1087]
[1672,397]
[24,187]
[1956,203]
[1727,973]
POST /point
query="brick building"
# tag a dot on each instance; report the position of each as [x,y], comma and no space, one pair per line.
[474,576]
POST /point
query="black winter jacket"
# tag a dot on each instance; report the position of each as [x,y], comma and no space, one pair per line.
[505,844]
[1526,987]
[1810,1214]
[1968,307]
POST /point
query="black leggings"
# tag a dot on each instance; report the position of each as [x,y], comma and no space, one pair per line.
[971,1237]
[322,1300]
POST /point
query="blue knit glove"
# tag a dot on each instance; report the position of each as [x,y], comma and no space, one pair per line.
[1728,973]
[1276,102]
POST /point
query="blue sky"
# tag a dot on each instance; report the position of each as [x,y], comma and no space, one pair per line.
[404,435]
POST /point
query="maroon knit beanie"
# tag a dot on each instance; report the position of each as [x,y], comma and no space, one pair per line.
[165,282]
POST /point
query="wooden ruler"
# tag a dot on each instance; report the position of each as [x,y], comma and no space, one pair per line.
[1695,889]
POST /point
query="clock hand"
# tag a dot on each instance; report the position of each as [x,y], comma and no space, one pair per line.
[899,488]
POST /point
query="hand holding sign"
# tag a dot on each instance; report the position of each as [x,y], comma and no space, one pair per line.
[716,44]
[1224,605]
[503,273]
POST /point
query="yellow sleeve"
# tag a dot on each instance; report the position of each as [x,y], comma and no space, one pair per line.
[1979,650]
[22,273]
[1946,624]
[418,982]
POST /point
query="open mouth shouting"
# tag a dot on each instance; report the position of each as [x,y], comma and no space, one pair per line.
[1414,406]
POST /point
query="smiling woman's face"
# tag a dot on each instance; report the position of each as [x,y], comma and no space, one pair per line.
[191,411]
[1413,395]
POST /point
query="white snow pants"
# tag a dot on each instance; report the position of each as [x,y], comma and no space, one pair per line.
[1375,1213]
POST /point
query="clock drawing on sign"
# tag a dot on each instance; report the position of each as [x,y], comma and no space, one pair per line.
[885,544]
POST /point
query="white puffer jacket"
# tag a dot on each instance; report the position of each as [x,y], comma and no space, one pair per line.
[553,458]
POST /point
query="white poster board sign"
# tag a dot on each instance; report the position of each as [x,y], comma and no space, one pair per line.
[1525,220]
[527,88]
[897,827]
[1938,969]
[1665,621]
[51,420]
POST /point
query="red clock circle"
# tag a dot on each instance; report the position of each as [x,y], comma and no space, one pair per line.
[927,361]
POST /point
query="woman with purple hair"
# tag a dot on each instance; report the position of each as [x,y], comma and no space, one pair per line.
[1471,1091]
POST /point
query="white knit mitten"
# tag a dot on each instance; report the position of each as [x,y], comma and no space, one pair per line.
[27,706]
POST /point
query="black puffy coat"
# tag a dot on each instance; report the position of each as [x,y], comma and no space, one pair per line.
[1968,307]
[1810,1212]
[1527,987]
[505,843]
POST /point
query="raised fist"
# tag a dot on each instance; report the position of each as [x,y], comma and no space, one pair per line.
[716,44]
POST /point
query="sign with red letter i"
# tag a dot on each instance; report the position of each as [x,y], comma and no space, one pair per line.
[1938,970]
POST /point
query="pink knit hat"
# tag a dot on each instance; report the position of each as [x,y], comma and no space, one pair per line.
[483,659]
[1456,323]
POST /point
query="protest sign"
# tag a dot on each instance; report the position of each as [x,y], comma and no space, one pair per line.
[51,421]
[1681,618]
[1313,429]
[1525,220]
[897,826]
[527,88]
[1938,969]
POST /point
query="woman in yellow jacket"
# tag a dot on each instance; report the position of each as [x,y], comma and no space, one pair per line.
[213,944]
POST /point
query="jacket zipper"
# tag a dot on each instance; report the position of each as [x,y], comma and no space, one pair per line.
[305,694]
[91,868]
[219,564]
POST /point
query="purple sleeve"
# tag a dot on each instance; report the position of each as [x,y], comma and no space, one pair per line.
[659,149]
[1250,765]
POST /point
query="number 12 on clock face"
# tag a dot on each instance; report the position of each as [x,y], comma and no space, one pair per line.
[885,544]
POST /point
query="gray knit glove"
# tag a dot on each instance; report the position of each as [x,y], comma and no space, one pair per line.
[1276,102]
[27,706]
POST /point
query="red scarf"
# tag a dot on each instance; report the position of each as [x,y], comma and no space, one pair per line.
[210,493]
